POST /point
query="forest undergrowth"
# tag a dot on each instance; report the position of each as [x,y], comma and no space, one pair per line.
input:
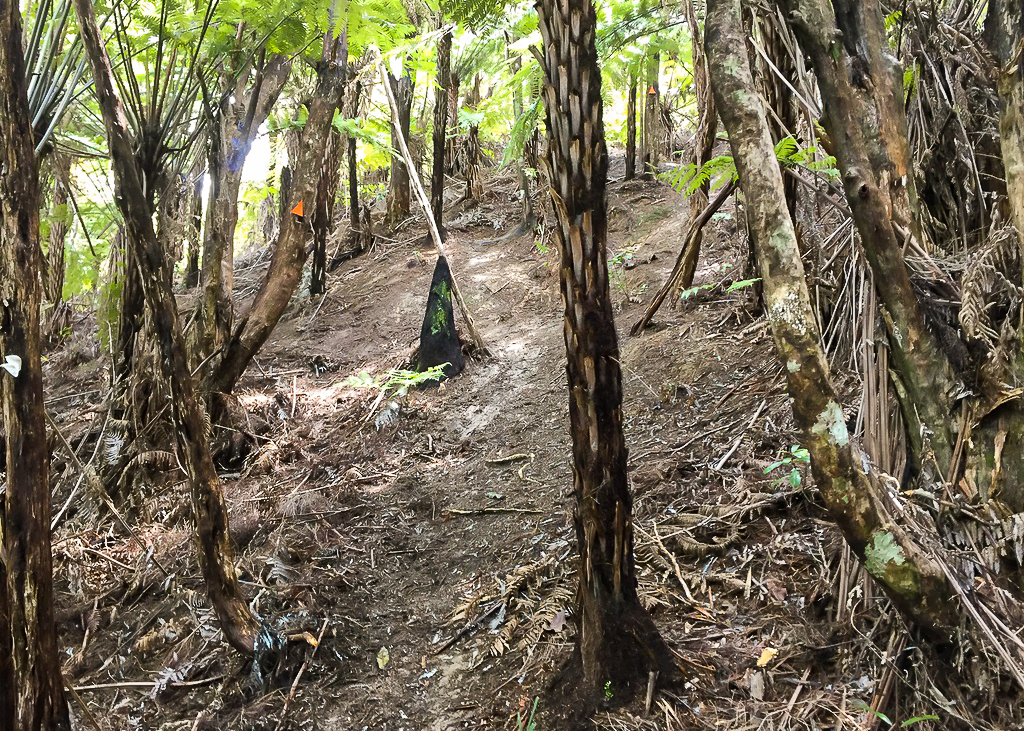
[416,551]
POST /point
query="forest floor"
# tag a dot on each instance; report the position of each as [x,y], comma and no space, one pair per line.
[433,553]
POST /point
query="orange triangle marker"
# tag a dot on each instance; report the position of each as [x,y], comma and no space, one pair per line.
[298,209]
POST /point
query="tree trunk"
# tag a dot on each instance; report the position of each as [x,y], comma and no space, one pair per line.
[215,551]
[237,118]
[649,156]
[631,130]
[353,89]
[864,118]
[323,212]
[60,224]
[859,503]
[195,230]
[32,695]
[444,74]
[617,641]
[707,122]
[290,249]
[399,193]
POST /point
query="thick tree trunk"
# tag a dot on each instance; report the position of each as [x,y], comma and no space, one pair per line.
[864,118]
[323,213]
[444,78]
[236,122]
[32,695]
[215,551]
[399,192]
[631,130]
[858,502]
[617,641]
[290,250]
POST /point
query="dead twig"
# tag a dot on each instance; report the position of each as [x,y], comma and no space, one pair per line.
[298,677]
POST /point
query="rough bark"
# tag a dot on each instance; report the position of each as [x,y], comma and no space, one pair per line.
[241,109]
[444,77]
[617,641]
[857,501]
[399,193]
[359,233]
[864,117]
[215,551]
[631,130]
[323,212]
[32,698]
[290,248]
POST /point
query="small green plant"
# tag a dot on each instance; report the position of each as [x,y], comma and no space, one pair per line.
[395,381]
[525,722]
[608,695]
[862,706]
[797,457]
[732,287]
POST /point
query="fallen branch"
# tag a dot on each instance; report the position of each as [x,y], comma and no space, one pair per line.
[686,264]
[421,196]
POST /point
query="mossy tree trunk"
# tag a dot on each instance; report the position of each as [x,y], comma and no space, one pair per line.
[617,641]
[865,120]
[858,501]
[31,686]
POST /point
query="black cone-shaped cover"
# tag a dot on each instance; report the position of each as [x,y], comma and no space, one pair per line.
[439,342]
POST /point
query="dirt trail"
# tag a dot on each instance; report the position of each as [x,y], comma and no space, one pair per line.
[450,527]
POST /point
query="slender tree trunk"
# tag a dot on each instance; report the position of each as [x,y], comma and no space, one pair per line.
[353,89]
[215,551]
[858,502]
[399,193]
[444,73]
[32,695]
[864,118]
[290,250]
[707,121]
[237,119]
[60,224]
[649,156]
[195,230]
[515,64]
[617,642]
[323,213]
[631,130]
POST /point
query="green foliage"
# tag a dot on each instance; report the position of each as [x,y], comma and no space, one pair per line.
[866,708]
[396,380]
[687,179]
[525,722]
[810,158]
[797,458]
